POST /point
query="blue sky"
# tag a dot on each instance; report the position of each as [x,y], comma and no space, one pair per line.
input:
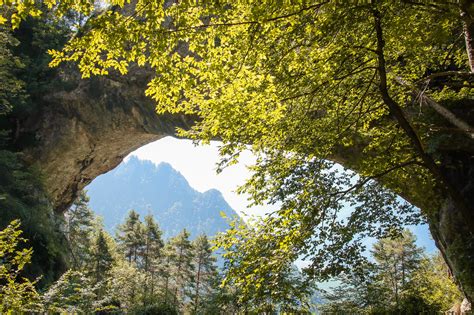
[198,165]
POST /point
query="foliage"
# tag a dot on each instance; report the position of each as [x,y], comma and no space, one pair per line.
[130,237]
[24,9]
[205,273]
[78,229]
[397,260]
[400,280]
[181,267]
[74,292]
[303,83]
[22,193]
[22,197]
[152,253]
[271,281]
[435,285]
[101,258]
[156,309]
[125,286]
[17,293]
[182,277]
[12,89]
[153,275]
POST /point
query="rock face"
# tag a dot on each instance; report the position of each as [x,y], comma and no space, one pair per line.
[86,130]
[452,227]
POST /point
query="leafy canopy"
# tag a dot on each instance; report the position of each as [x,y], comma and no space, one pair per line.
[302,83]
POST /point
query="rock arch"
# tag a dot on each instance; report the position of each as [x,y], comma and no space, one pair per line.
[86,129]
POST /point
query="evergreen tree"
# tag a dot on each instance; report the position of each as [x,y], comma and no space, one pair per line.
[357,291]
[401,281]
[151,254]
[205,272]
[397,260]
[168,257]
[78,229]
[130,237]
[181,267]
[101,257]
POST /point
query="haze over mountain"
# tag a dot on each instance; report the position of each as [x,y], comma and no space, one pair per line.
[161,191]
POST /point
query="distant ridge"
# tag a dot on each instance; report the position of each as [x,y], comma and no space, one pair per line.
[159,190]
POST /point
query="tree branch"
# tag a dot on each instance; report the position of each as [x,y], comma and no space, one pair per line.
[394,109]
[272,19]
[446,113]
[468,29]
[367,179]
[468,75]
[399,115]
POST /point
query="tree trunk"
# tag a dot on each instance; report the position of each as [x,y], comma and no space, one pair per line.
[198,279]
[467,16]
[145,289]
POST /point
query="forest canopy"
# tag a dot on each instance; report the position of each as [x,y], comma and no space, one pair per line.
[377,87]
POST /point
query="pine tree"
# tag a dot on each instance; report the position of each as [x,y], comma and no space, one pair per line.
[78,229]
[151,254]
[131,238]
[401,280]
[101,257]
[397,260]
[181,267]
[169,256]
[205,271]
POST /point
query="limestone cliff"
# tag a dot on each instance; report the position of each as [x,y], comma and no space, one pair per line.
[87,130]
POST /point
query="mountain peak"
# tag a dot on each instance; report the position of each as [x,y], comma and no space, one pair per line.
[160,190]
[149,168]
[213,191]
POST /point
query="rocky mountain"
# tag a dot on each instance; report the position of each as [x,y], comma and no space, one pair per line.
[161,191]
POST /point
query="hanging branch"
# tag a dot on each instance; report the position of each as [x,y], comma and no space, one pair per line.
[443,111]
